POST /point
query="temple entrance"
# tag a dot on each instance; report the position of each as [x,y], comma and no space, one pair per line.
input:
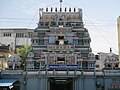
[61,84]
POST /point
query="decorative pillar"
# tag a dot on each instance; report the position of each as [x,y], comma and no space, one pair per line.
[65,59]
[46,55]
[75,57]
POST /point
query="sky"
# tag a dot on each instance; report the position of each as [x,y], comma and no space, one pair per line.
[99,16]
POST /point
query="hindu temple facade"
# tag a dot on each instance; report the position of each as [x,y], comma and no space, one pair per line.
[61,58]
[61,39]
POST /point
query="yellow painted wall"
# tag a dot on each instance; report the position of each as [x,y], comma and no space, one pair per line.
[119,36]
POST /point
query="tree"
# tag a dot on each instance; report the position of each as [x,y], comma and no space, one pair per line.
[23,52]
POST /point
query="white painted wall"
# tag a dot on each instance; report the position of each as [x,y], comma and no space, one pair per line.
[10,40]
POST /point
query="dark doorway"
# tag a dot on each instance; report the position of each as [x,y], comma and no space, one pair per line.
[60,60]
[60,37]
[61,84]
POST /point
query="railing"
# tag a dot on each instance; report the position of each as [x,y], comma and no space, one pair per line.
[12,72]
[51,73]
[58,73]
[46,72]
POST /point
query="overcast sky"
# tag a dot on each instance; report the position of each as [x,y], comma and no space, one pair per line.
[100,18]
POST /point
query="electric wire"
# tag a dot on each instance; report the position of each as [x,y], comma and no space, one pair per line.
[91,21]
[96,28]
[25,19]
[32,19]
[11,18]
[18,20]
[100,32]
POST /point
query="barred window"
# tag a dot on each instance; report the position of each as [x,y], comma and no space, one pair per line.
[30,34]
[7,34]
[19,34]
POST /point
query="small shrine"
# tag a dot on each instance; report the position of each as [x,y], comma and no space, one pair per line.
[111,61]
[14,62]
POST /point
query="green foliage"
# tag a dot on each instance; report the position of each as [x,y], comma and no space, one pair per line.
[23,53]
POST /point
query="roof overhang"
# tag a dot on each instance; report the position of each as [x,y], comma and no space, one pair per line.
[7,82]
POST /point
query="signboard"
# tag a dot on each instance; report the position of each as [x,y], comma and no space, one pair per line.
[112,72]
[63,67]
